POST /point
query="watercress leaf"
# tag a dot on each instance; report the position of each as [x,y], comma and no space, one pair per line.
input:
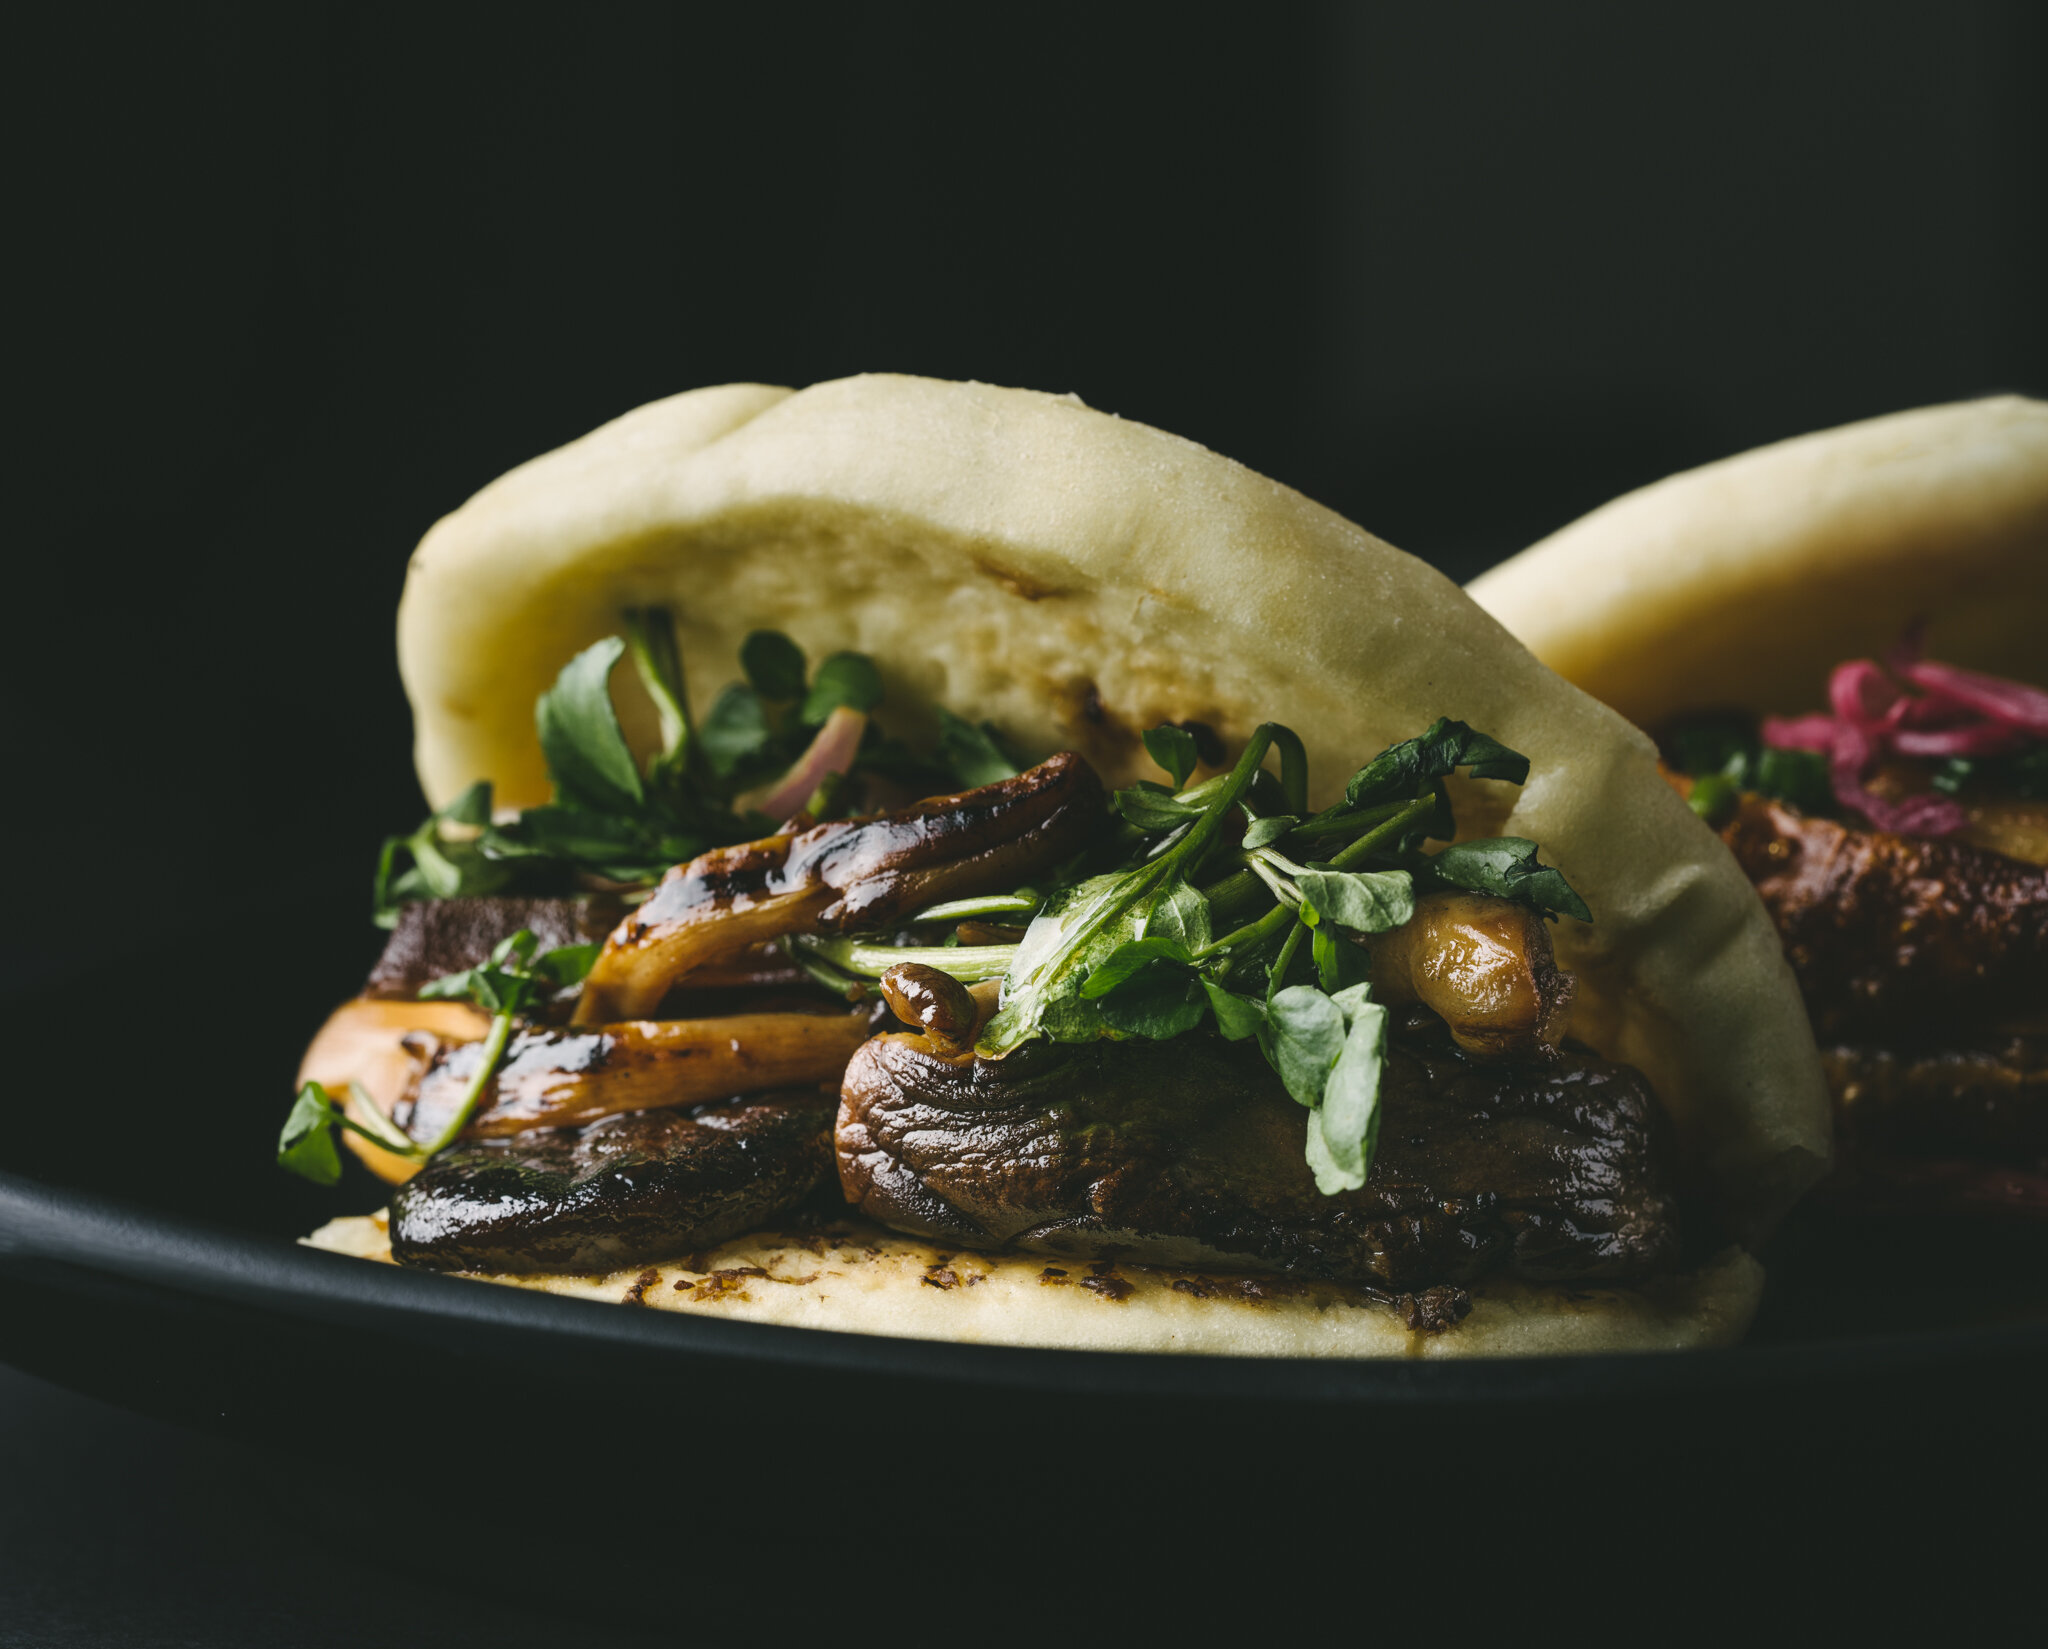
[1178,912]
[1265,832]
[472,807]
[1237,1017]
[579,735]
[1323,946]
[1398,771]
[566,964]
[1303,1036]
[305,1146]
[1507,867]
[1159,1001]
[1369,901]
[1152,807]
[850,679]
[774,665]
[1174,749]
[1131,957]
[736,732]
[1081,925]
[971,753]
[1346,1124]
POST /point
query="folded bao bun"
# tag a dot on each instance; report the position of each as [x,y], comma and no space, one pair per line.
[1742,584]
[1076,579]
[857,1276]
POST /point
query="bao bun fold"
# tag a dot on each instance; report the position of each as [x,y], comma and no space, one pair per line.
[1076,579]
[1740,585]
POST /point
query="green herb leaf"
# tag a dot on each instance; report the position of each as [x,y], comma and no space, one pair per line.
[1713,797]
[1174,749]
[1369,901]
[774,666]
[1080,927]
[472,807]
[1129,958]
[1303,1036]
[1507,867]
[1343,1131]
[1153,808]
[1398,772]
[1265,832]
[1796,776]
[579,735]
[1179,913]
[306,1145]
[1237,1017]
[1160,1001]
[971,753]
[736,734]
[850,679]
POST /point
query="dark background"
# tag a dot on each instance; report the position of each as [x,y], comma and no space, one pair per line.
[292,282]
[289,283]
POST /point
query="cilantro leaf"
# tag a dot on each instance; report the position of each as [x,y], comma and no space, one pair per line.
[1507,867]
[971,753]
[1159,1001]
[1174,748]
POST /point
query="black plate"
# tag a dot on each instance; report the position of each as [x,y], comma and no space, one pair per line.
[146,1255]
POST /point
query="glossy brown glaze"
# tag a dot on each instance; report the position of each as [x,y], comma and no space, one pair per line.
[936,1003]
[556,1077]
[1889,934]
[849,875]
[1484,965]
[1190,1153]
[443,936]
[620,1192]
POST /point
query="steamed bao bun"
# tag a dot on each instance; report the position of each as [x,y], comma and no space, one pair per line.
[1076,579]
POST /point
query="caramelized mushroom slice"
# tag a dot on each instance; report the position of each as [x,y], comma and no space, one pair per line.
[382,1046]
[850,874]
[949,1013]
[1485,965]
[557,1077]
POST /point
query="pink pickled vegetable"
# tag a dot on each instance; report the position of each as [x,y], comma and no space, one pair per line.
[831,751]
[1955,712]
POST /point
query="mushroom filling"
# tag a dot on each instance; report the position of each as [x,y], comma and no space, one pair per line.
[1193,1022]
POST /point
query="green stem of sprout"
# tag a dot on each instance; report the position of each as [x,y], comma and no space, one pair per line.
[494,1050]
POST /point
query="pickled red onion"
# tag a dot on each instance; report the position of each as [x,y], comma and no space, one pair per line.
[1956,712]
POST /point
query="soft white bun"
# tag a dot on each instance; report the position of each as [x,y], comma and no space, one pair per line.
[859,1278]
[1077,578]
[1742,584]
